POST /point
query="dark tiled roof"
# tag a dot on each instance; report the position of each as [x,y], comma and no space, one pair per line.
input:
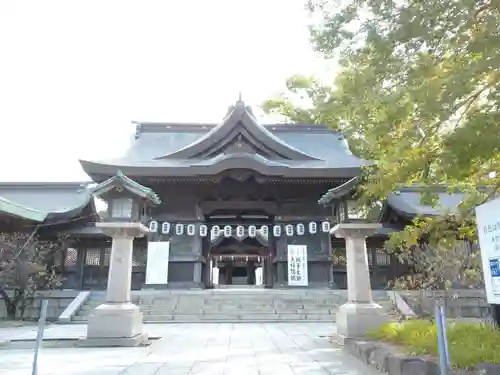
[184,149]
[39,201]
[407,201]
[339,191]
[129,184]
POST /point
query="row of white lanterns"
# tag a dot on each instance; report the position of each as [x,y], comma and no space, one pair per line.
[227,230]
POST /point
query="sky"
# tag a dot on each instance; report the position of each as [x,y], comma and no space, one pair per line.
[74,74]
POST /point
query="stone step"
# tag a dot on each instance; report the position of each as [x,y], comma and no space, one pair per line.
[166,318]
[86,312]
[236,306]
[240,303]
[208,299]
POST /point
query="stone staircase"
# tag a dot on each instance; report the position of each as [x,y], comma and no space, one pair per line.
[233,305]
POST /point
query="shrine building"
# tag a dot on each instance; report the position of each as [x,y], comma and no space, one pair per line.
[241,204]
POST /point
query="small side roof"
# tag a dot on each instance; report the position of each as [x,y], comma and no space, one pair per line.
[44,201]
[407,201]
[339,191]
[127,183]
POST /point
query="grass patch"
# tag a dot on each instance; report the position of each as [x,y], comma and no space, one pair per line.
[468,343]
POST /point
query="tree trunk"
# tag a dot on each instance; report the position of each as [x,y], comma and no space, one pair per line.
[10,304]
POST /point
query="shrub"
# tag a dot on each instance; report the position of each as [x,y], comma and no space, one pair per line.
[468,343]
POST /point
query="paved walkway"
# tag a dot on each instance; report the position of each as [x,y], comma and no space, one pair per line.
[215,349]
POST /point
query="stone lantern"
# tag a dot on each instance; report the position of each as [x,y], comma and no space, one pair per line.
[118,322]
[360,314]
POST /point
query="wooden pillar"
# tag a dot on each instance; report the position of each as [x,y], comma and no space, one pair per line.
[250,273]
[229,275]
[206,266]
[268,262]
[80,261]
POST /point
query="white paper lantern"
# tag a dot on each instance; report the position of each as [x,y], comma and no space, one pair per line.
[313,227]
[191,229]
[228,231]
[165,228]
[153,226]
[252,231]
[325,226]
[264,231]
[240,231]
[277,230]
[289,229]
[203,230]
[301,229]
[179,229]
[215,231]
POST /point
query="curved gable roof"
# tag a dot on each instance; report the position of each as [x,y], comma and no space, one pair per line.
[286,150]
[239,122]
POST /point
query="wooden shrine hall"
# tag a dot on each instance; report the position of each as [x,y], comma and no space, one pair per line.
[239,207]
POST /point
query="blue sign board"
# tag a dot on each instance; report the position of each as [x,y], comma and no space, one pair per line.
[495,275]
[495,267]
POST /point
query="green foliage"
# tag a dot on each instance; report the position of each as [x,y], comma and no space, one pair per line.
[26,265]
[418,91]
[441,253]
[469,344]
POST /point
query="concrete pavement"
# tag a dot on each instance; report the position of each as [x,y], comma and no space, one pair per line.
[188,349]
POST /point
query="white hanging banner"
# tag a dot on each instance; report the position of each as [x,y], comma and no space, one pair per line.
[259,279]
[301,229]
[165,228]
[252,231]
[215,275]
[264,230]
[191,229]
[325,226]
[240,231]
[157,263]
[215,231]
[313,227]
[203,230]
[153,226]
[297,265]
[179,229]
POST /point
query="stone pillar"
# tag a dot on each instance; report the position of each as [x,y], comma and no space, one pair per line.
[360,314]
[118,322]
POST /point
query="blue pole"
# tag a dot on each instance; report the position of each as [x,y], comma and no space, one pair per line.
[39,335]
[443,369]
[445,335]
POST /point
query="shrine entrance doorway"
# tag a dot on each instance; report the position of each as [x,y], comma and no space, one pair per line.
[238,262]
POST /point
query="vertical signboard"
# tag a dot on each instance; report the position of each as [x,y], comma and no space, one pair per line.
[297,265]
[488,230]
[157,263]
[259,280]
[215,276]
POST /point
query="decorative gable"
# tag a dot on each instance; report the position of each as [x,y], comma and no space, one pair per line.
[239,133]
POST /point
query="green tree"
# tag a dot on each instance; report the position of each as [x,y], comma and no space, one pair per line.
[26,266]
[418,91]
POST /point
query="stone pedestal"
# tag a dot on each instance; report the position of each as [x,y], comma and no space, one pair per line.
[360,314]
[118,322]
